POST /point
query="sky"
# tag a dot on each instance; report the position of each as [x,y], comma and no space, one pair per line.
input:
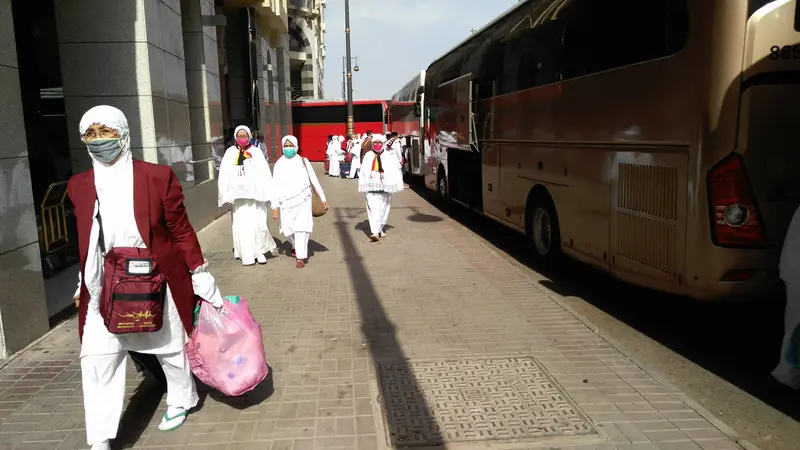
[395,39]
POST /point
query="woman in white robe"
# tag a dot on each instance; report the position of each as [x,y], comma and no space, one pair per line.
[380,178]
[245,182]
[294,178]
[334,148]
[102,354]
[790,273]
[354,148]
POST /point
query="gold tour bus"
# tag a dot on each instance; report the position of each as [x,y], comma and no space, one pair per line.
[650,139]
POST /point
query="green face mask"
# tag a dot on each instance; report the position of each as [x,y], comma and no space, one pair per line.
[289,152]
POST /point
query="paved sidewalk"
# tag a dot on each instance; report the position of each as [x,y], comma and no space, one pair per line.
[427,338]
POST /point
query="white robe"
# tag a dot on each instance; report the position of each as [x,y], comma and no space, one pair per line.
[334,168]
[293,194]
[390,181]
[395,147]
[248,188]
[354,148]
[790,273]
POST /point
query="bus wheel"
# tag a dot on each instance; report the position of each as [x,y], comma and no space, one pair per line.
[441,183]
[544,233]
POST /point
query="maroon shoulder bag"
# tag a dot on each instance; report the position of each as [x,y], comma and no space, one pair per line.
[134,289]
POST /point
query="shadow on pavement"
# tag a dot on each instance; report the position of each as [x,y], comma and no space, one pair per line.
[384,347]
[140,411]
[257,396]
[363,227]
[737,341]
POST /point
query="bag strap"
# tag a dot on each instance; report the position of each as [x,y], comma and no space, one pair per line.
[313,190]
[101,239]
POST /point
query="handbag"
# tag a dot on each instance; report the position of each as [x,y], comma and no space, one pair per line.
[317,207]
[134,289]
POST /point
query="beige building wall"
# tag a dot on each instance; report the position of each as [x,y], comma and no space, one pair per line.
[23,312]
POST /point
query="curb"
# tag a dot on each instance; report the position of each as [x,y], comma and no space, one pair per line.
[556,298]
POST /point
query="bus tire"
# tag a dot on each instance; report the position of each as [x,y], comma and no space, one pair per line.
[441,183]
[542,226]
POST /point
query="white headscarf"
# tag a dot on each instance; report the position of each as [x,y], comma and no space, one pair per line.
[256,182]
[114,183]
[291,139]
[242,128]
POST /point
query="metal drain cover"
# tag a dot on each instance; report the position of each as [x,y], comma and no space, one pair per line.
[435,402]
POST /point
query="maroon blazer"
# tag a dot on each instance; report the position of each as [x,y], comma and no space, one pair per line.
[163,224]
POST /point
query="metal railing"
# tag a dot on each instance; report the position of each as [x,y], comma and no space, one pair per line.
[53,215]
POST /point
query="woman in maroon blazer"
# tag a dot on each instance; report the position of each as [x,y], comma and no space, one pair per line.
[140,205]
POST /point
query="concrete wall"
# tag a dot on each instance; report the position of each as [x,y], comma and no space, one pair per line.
[23,311]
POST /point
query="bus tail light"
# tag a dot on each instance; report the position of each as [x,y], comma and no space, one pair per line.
[734,214]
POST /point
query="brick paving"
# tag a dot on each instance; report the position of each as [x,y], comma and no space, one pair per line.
[474,355]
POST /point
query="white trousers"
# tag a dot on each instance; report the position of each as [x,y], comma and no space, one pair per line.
[299,242]
[378,206]
[785,373]
[334,169]
[103,380]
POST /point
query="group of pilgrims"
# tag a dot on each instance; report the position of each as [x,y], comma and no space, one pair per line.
[255,193]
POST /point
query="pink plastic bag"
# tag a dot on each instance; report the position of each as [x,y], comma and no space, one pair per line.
[226,351]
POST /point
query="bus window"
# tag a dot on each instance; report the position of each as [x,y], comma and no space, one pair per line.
[319,114]
[368,113]
[533,57]
[602,36]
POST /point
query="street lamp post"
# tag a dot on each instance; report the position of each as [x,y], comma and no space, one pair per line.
[344,72]
[349,68]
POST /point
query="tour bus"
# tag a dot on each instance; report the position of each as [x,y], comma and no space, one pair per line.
[650,139]
[314,120]
[406,108]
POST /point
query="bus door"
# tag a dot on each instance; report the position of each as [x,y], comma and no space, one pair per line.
[483,108]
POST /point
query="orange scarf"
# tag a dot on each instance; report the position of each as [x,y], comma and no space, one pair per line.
[243,154]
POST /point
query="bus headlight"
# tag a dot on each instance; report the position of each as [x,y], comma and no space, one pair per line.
[736,215]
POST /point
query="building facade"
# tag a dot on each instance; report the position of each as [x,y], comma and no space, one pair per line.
[183,71]
[307,48]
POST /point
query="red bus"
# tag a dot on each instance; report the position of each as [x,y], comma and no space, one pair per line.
[314,120]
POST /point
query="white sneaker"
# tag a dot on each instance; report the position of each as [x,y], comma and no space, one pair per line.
[105,445]
[382,234]
[261,259]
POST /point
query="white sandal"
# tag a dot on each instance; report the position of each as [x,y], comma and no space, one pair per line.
[170,423]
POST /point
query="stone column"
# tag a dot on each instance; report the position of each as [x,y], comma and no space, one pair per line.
[128,54]
[237,49]
[23,309]
[284,85]
[202,77]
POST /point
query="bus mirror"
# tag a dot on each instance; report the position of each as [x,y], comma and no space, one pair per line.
[417,110]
